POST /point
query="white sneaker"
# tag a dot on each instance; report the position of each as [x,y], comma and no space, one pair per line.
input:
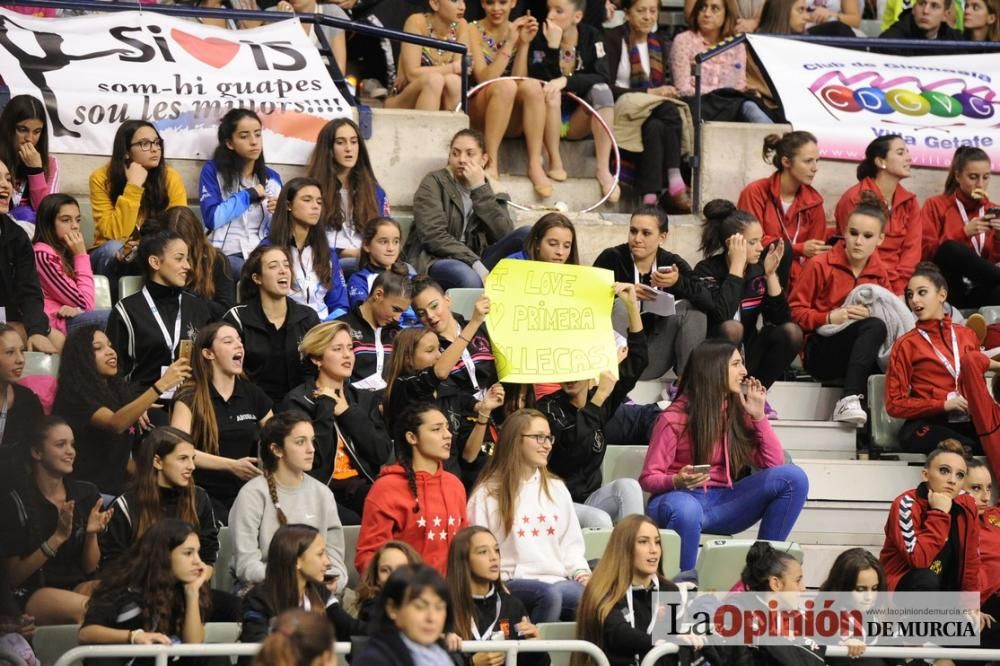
[848,410]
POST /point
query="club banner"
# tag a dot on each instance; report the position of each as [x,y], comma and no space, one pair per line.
[95,72]
[847,98]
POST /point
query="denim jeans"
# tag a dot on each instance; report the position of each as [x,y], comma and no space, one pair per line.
[102,258]
[452,273]
[97,318]
[610,503]
[774,496]
[547,602]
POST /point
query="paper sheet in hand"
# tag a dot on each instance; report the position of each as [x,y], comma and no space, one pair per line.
[663,305]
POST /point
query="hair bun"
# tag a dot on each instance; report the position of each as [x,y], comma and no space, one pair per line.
[718,210]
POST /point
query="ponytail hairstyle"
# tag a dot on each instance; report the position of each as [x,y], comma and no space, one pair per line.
[368,236]
[777,148]
[45,227]
[254,265]
[393,282]
[154,190]
[298,638]
[406,584]
[282,226]
[159,443]
[281,582]
[370,587]
[228,164]
[654,211]
[153,243]
[959,161]
[538,230]
[361,182]
[401,363]
[871,205]
[409,422]
[930,272]
[949,445]
[877,149]
[722,220]
[196,393]
[274,433]
[421,283]
[460,579]
[843,576]
[201,253]
[763,563]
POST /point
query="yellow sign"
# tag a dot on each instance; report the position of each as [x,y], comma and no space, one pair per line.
[550,322]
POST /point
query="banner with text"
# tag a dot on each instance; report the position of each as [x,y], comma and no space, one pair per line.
[550,322]
[95,72]
[847,98]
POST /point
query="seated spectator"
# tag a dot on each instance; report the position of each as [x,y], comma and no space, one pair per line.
[158,596]
[979,484]
[744,285]
[284,494]
[297,569]
[374,324]
[413,614]
[786,204]
[379,253]
[48,527]
[318,280]
[63,266]
[981,21]
[887,162]
[298,638]
[959,233]
[484,610]
[335,37]
[642,261]
[429,79]
[462,228]
[391,556]
[415,500]
[21,298]
[542,558]
[270,322]
[24,147]
[578,414]
[135,185]
[828,17]
[106,412]
[147,327]
[851,350]
[351,442]
[223,413]
[932,531]
[552,238]
[351,194]
[773,17]
[690,435]
[209,276]
[926,20]
[238,190]
[20,404]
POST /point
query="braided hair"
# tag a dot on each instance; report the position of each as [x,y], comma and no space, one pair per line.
[273,434]
[409,422]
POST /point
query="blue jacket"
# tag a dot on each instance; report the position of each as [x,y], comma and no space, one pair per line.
[359,285]
[219,209]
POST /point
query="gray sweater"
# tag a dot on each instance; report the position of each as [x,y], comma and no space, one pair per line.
[253,521]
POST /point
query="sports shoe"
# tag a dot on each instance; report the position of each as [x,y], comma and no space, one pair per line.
[374,89]
[848,410]
[977,323]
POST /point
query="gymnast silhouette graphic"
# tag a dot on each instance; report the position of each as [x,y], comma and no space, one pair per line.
[36,67]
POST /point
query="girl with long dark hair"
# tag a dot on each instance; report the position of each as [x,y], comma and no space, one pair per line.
[209,276]
[391,556]
[238,190]
[718,420]
[24,145]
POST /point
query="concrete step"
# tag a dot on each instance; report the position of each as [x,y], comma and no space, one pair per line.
[578,157]
[859,480]
[817,439]
[844,524]
[803,401]
[819,558]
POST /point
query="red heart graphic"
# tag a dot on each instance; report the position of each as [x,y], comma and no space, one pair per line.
[211,51]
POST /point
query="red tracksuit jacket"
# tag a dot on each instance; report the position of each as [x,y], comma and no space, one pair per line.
[942,221]
[989,552]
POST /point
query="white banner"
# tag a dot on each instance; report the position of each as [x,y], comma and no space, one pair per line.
[94,72]
[847,98]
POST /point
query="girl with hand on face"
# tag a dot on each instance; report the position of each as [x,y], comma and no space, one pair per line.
[270,322]
[817,299]
[380,247]
[351,441]
[64,271]
[238,191]
[531,512]
[223,412]
[351,194]
[391,556]
[886,164]
[159,595]
[24,145]
[981,21]
[209,277]
[744,285]
[282,495]
[932,532]
[960,231]
[318,280]
[415,500]
[786,204]
[134,186]
[430,79]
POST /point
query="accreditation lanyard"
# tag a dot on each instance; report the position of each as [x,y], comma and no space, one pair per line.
[171,342]
[488,633]
[631,611]
[979,240]
[379,352]
[955,369]
[3,412]
[651,271]
[779,207]
[470,365]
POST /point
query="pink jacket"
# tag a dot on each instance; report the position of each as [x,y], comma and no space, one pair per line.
[671,448]
[58,288]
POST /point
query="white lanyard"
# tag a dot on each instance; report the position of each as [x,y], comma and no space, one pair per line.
[379,352]
[953,370]
[171,343]
[3,413]
[489,630]
[651,271]
[780,209]
[470,365]
[979,240]
[631,611]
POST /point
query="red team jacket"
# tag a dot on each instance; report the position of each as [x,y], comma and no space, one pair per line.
[942,221]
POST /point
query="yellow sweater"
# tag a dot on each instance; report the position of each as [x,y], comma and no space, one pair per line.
[115,220]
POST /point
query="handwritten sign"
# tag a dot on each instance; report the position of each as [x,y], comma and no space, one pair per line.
[550,322]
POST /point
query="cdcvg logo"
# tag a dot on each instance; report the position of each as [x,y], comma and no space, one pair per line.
[887,97]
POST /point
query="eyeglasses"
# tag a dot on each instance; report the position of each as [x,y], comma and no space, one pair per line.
[540,437]
[147,145]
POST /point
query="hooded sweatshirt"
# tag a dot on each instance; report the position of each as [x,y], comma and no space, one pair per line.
[59,288]
[391,513]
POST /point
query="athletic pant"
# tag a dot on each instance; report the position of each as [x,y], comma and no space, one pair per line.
[959,262]
[850,355]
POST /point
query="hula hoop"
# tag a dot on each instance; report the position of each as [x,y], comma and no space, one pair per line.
[593,113]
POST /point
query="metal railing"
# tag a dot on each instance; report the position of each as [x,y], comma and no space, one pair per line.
[162,653]
[958,654]
[357,27]
[853,43]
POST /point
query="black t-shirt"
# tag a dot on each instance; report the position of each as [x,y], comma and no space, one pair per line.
[238,420]
[273,374]
[24,414]
[27,519]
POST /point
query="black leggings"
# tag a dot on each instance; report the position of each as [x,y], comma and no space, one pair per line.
[850,355]
[923,435]
[959,262]
[661,149]
[769,352]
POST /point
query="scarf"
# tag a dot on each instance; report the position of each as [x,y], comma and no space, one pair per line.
[637,78]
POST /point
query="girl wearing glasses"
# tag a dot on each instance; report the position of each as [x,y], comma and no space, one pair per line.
[531,513]
[135,185]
